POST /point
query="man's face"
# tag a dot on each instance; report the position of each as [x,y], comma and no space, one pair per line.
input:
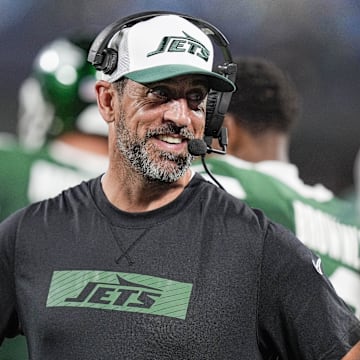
[155,123]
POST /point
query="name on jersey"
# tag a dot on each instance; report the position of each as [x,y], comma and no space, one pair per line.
[322,232]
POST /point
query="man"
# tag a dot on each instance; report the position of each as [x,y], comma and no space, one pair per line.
[150,261]
[260,118]
[61,138]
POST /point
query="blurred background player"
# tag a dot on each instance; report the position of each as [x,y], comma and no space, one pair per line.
[352,194]
[357,184]
[62,139]
[260,119]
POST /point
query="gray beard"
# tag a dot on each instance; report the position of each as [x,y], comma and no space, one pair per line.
[162,166]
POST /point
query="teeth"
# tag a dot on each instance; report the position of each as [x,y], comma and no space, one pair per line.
[169,139]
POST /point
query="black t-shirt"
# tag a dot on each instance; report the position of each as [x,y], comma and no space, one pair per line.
[204,277]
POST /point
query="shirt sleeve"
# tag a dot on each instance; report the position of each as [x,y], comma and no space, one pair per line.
[300,315]
[9,325]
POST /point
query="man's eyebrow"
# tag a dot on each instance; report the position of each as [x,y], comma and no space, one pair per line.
[176,81]
[203,82]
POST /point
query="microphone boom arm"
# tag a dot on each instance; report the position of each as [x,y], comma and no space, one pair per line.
[198,147]
[209,173]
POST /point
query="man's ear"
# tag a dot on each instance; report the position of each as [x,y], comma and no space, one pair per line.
[232,124]
[236,134]
[106,99]
[229,122]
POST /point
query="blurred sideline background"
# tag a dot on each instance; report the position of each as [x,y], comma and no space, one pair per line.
[316,41]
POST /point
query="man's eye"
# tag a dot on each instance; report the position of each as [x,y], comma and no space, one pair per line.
[160,93]
[196,100]
[196,96]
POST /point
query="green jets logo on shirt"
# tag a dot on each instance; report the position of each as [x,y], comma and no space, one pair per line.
[182,44]
[119,292]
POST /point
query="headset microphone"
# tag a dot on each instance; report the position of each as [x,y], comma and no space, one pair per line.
[197,147]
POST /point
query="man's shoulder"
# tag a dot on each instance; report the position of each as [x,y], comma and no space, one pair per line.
[226,204]
[63,204]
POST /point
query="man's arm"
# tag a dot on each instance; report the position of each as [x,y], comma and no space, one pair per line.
[9,325]
[354,353]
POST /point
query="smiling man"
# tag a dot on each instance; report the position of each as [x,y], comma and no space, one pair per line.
[150,261]
[150,129]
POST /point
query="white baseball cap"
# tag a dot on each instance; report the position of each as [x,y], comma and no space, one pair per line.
[164,47]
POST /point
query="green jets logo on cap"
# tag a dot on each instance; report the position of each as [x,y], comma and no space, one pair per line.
[119,292]
[182,44]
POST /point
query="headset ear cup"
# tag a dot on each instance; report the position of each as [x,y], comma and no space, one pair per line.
[109,63]
[211,103]
[213,120]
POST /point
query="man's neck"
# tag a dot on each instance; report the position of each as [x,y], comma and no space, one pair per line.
[269,146]
[131,193]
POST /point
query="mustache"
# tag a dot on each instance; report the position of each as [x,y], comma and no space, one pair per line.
[171,129]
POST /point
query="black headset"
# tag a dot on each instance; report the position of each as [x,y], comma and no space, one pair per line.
[105,59]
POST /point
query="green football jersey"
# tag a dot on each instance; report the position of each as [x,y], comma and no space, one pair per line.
[313,213]
[29,176]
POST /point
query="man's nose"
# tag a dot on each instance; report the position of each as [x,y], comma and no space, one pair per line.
[178,112]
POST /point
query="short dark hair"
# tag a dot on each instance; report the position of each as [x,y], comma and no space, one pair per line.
[266,97]
[120,85]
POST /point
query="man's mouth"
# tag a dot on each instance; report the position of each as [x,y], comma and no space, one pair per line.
[170,139]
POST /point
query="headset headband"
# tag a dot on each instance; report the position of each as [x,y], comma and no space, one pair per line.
[96,55]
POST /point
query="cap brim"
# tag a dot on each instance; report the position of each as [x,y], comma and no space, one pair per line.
[163,72]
